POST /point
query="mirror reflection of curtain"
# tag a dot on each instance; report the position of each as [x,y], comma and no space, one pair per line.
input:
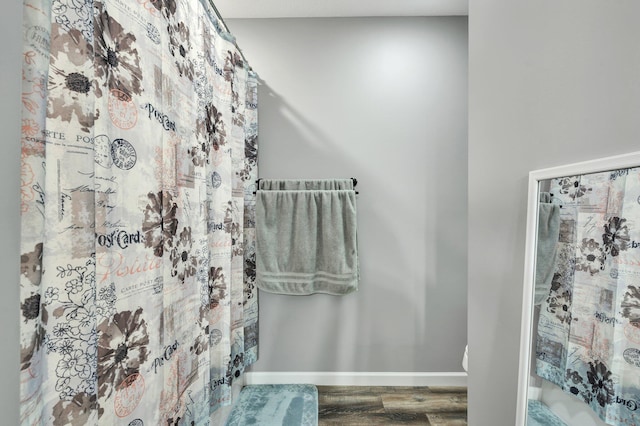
[139,156]
[547,241]
[588,333]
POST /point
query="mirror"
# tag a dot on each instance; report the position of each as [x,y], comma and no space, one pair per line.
[580,331]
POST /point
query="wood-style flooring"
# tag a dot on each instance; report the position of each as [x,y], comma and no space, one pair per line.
[391,405]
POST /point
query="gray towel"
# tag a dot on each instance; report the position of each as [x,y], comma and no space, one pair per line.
[305,184]
[306,242]
[546,197]
[548,232]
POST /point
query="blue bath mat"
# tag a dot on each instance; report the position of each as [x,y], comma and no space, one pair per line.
[539,414]
[275,405]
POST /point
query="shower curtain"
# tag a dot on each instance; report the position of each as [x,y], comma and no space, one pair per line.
[588,340]
[139,157]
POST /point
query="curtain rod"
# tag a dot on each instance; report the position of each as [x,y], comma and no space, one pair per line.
[226,28]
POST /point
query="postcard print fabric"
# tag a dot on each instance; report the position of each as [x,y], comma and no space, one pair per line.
[588,340]
[139,153]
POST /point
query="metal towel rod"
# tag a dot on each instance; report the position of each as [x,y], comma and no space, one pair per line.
[355,182]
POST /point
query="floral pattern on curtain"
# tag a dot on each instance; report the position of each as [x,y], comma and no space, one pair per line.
[139,161]
[588,339]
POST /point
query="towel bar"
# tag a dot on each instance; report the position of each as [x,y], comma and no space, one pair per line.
[355,182]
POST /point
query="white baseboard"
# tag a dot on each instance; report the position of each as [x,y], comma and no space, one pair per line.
[355,378]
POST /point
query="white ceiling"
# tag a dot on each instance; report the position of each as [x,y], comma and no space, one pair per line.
[338,8]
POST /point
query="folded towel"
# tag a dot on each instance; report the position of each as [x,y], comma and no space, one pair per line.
[306,242]
[548,232]
[305,184]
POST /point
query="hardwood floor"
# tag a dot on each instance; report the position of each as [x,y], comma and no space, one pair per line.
[391,405]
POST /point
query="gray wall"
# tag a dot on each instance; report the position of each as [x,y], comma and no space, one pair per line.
[550,83]
[383,100]
[10,63]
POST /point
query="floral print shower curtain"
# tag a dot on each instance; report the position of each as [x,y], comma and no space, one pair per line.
[588,339]
[139,159]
